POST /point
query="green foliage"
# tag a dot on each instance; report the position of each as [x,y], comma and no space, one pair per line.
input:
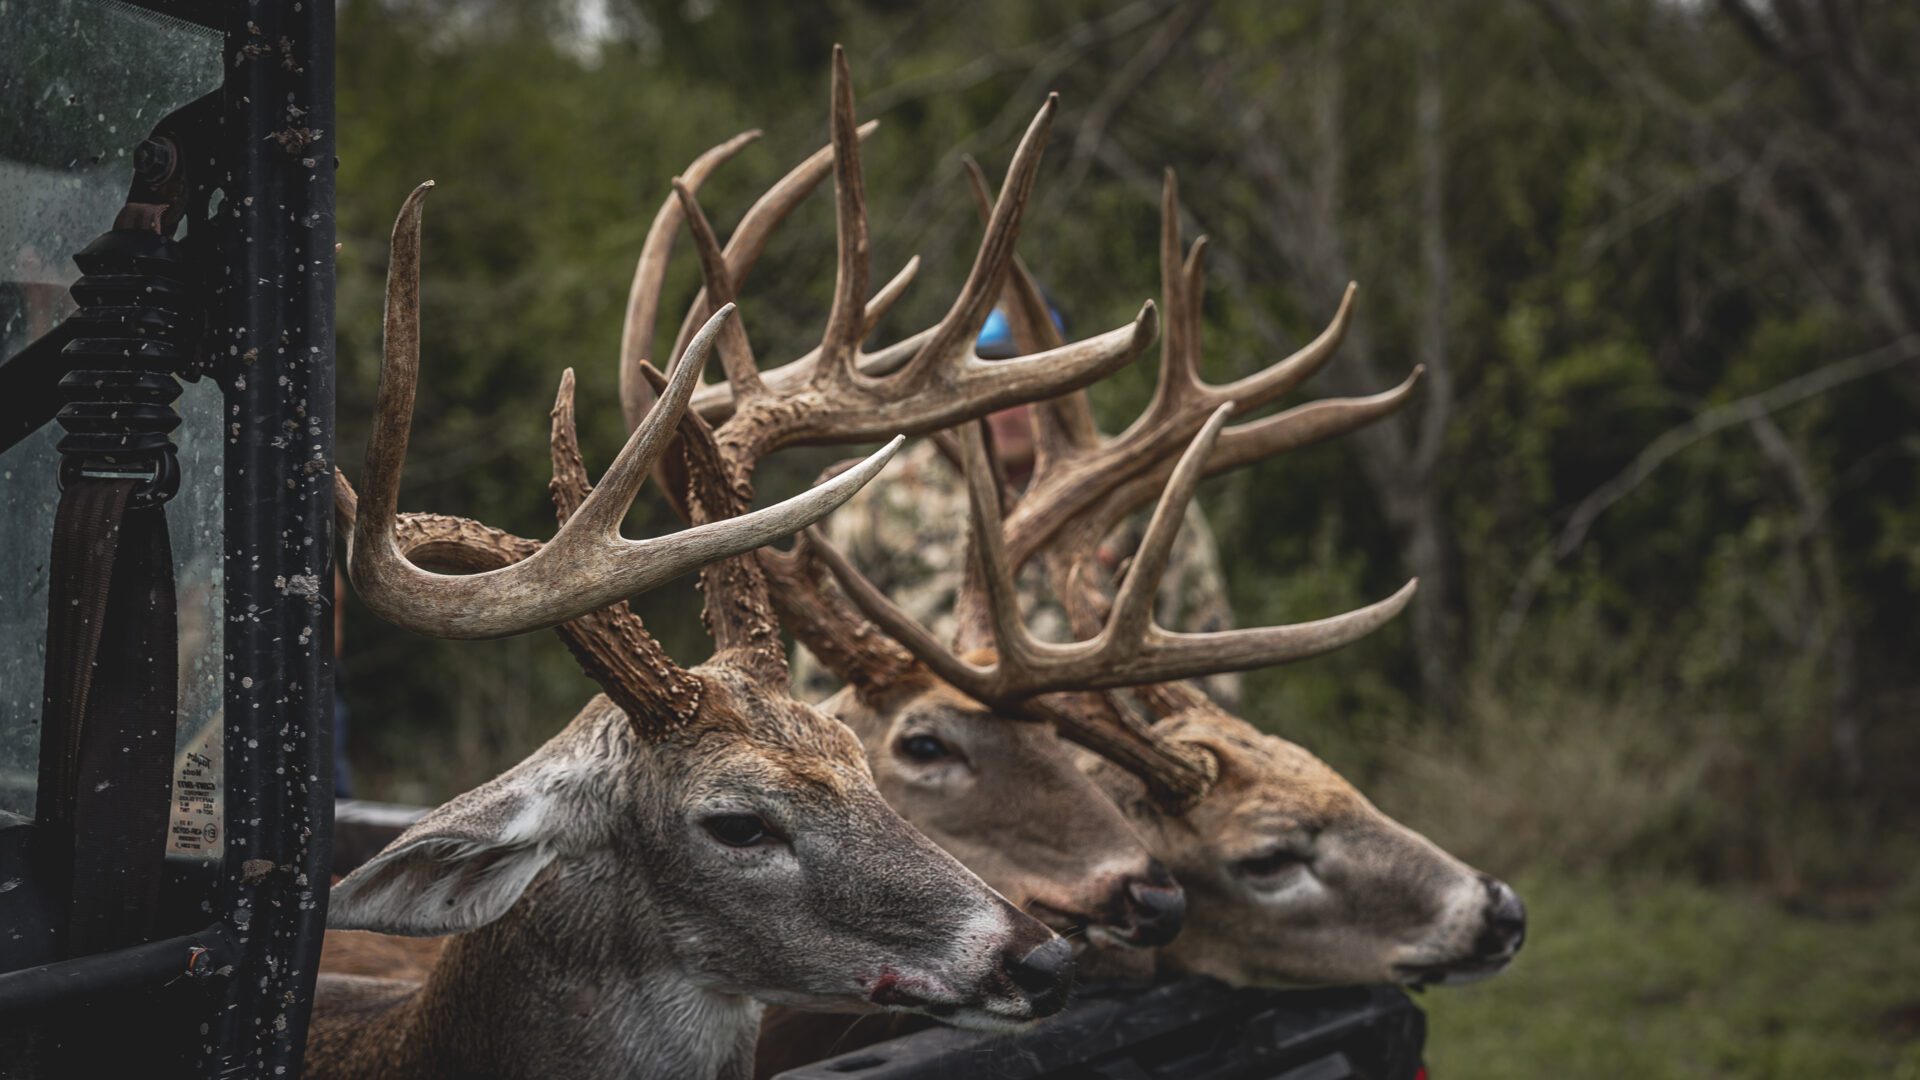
[1605,285]
[1672,707]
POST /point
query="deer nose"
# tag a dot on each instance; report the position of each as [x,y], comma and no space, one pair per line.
[1044,974]
[1156,905]
[1506,920]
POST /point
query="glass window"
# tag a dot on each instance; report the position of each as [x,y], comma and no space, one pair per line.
[81,84]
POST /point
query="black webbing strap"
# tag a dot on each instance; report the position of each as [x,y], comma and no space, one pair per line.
[107,722]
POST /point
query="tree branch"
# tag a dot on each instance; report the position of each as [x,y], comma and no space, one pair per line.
[1670,443]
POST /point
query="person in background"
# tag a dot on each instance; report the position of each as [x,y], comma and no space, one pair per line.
[909,535]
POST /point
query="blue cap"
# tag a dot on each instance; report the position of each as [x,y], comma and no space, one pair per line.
[996,334]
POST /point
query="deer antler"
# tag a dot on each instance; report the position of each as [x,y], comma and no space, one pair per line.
[838,394]
[1094,486]
[867,657]
[611,644]
[820,617]
[587,565]
[835,394]
[1131,648]
[1083,487]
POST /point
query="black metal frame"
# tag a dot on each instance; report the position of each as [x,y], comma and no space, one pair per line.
[270,344]
[278,303]
[198,955]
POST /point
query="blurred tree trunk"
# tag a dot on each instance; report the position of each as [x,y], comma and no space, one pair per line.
[1828,627]
[1398,455]
[1826,168]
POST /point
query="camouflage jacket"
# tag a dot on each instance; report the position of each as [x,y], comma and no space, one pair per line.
[908,534]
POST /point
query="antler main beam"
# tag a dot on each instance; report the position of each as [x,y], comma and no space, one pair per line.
[587,565]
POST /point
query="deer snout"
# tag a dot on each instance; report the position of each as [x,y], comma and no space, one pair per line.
[1506,928]
[1156,907]
[1043,973]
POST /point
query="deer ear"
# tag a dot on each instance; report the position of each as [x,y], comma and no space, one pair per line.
[457,869]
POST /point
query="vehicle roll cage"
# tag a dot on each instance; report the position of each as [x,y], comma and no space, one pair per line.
[225,984]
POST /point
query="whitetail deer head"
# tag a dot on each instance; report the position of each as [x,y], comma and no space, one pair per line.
[696,840]
[1292,876]
[1007,798]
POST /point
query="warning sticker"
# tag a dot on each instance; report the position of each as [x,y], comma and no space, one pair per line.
[194,832]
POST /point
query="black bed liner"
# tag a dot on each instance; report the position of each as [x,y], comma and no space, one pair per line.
[1196,1029]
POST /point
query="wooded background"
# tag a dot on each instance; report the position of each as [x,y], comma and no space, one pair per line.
[1661,485]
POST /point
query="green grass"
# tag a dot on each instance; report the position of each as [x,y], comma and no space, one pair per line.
[1675,980]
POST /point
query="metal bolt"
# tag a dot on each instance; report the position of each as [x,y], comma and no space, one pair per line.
[199,961]
[154,160]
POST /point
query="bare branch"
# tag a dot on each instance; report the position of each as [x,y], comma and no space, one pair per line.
[1671,443]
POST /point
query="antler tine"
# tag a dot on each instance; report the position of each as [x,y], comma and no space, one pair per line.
[1178,348]
[1169,655]
[749,239]
[649,275]
[1062,425]
[1240,445]
[736,354]
[714,402]
[587,565]
[1261,387]
[1010,637]
[883,301]
[977,183]
[393,402]
[1133,608]
[1183,287]
[603,510]
[955,332]
[612,645]
[569,485]
[846,319]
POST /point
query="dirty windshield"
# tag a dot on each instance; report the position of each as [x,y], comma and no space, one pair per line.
[81,84]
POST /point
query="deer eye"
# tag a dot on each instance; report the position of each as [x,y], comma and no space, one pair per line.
[1268,866]
[924,748]
[737,830]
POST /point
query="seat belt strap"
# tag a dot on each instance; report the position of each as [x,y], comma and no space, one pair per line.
[108,716]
